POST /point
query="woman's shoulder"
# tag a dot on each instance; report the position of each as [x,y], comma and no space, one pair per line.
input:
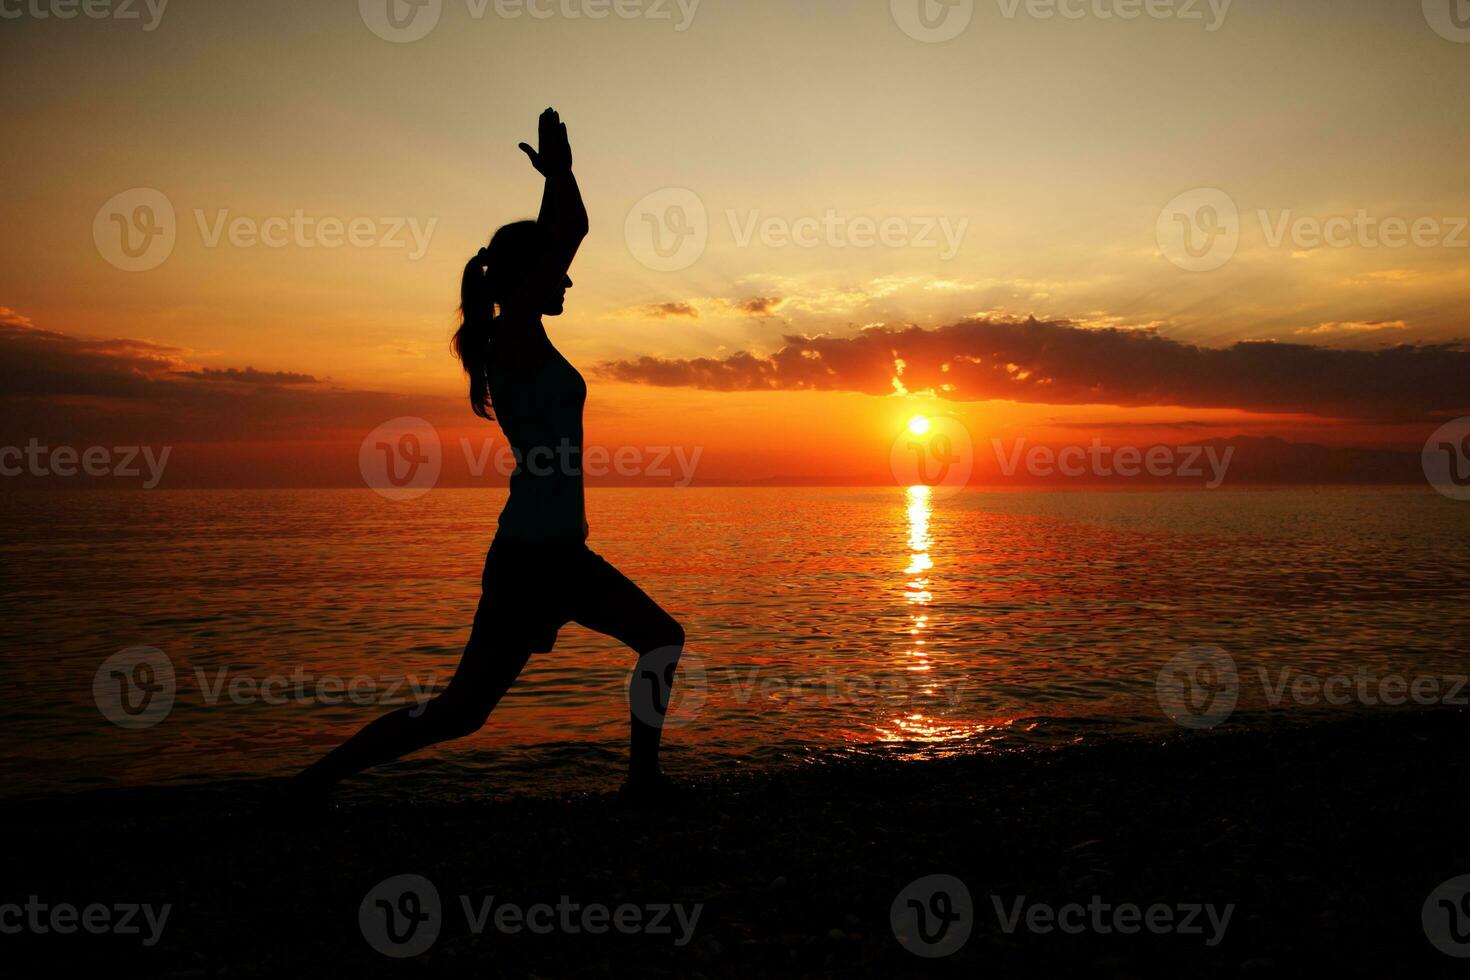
[519,356]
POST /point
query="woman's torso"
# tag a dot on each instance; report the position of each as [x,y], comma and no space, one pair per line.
[538,400]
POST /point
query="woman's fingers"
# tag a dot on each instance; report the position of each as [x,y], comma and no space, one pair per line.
[555,150]
[532,154]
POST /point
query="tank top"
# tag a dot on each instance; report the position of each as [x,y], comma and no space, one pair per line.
[541,416]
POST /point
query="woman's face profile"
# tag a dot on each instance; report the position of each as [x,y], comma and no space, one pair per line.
[556,299]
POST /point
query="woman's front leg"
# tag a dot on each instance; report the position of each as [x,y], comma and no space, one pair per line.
[609,603]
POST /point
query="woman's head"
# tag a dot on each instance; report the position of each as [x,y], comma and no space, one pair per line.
[498,282]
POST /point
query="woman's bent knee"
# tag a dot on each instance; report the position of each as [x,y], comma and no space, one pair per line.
[456,717]
[667,634]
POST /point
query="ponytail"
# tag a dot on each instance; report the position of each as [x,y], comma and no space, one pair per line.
[493,271]
[471,343]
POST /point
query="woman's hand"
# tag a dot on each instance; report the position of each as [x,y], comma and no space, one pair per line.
[555,155]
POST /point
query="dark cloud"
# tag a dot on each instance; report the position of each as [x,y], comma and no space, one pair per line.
[43,362]
[70,388]
[1060,363]
[249,376]
[760,305]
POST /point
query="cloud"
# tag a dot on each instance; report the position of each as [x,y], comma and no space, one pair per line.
[759,305]
[39,362]
[663,311]
[249,376]
[1354,326]
[11,318]
[70,388]
[1061,363]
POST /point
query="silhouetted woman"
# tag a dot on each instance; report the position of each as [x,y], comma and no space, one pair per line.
[539,574]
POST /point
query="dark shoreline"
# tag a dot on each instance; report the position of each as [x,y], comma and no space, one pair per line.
[1326,839]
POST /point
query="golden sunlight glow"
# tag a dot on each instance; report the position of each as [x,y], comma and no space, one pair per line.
[918,425]
[917,726]
[919,511]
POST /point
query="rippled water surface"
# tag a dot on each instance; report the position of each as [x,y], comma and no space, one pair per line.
[821,622]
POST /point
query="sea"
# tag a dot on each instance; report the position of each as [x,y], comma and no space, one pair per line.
[163,637]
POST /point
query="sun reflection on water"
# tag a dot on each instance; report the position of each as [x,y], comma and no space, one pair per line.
[911,724]
[917,591]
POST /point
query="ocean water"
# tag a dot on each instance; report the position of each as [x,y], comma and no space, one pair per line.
[822,624]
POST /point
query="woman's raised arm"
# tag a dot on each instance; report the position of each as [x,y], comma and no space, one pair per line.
[563,217]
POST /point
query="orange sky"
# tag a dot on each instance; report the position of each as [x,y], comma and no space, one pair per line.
[843,175]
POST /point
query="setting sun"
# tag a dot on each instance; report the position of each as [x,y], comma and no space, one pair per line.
[918,425]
